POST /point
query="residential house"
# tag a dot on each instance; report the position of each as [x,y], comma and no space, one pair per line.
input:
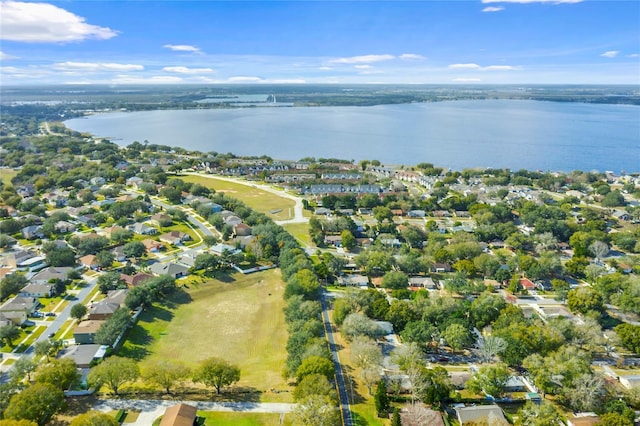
[179,415]
[118,253]
[143,229]
[108,232]
[135,280]
[188,259]
[220,249]
[98,180]
[333,240]
[417,213]
[527,284]
[174,270]
[354,280]
[241,230]
[152,246]
[103,310]
[492,414]
[85,355]
[33,263]
[18,308]
[85,332]
[32,232]
[88,220]
[134,181]
[159,218]
[322,211]
[51,273]
[174,237]
[89,261]
[37,290]
[232,220]
[422,282]
[64,227]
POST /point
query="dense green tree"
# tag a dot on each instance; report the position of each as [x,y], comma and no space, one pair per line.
[61,257]
[381,399]
[8,334]
[436,386]
[315,365]
[11,284]
[165,374]
[113,372]
[78,311]
[490,379]
[584,299]
[117,324]
[395,280]
[629,336]
[37,403]
[134,249]
[110,281]
[314,384]
[216,373]
[457,336]
[61,373]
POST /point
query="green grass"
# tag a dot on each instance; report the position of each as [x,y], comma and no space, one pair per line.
[300,231]
[6,175]
[238,318]
[255,198]
[365,415]
[243,419]
[35,333]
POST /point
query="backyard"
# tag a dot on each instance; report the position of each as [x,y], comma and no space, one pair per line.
[238,318]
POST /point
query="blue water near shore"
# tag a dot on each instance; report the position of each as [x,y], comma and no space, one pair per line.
[548,136]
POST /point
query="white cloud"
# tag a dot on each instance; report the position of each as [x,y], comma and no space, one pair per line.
[493,9]
[364,59]
[633,55]
[466,80]
[532,1]
[464,66]
[46,23]
[164,79]
[362,67]
[479,68]
[244,79]
[6,57]
[325,68]
[610,54]
[500,68]
[411,57]
[96,66]
[185,70]
[182,48]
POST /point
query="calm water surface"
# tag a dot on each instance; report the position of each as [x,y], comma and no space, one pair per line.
[492,133]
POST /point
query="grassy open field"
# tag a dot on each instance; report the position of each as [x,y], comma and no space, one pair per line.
[238,318]
[255,198]
[300,231]
[243,419]
[6,175]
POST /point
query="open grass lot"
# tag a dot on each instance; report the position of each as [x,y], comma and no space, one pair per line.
[300,231]
[6,175]
[255,198]
[243,419]
[238,318]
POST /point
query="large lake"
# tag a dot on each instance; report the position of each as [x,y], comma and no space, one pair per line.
[458,134]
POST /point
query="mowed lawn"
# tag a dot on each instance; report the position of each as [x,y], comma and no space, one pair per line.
[240,320]
[6,175]
[256,198]
[244,419]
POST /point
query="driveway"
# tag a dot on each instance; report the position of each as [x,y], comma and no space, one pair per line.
[152,409]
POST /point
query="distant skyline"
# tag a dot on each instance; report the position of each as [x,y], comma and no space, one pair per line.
[339,42]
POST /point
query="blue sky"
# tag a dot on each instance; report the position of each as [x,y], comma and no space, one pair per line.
[213,42]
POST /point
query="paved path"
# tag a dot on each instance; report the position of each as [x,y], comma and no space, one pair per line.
[152,409]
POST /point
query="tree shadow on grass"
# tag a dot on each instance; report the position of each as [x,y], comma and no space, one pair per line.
[175,299]
[225,277]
